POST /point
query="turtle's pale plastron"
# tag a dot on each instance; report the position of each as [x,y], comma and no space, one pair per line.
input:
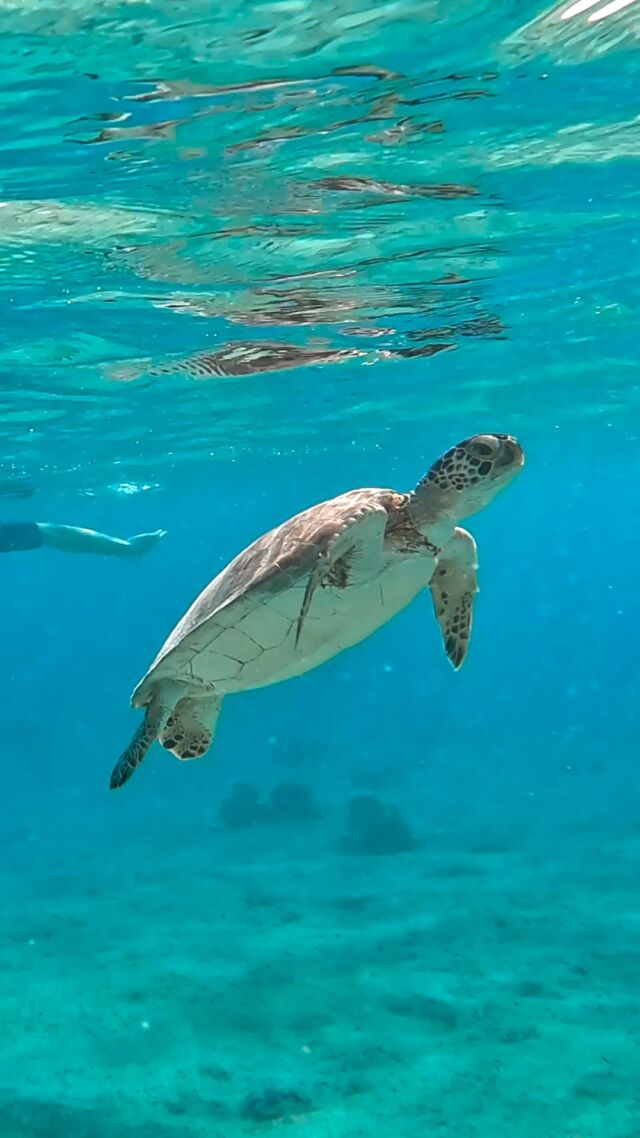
[319,583]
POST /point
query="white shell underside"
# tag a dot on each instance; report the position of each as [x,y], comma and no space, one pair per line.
[251,642]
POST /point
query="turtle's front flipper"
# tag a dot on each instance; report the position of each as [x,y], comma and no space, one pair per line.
[157,712]
[453,588]
[358,538]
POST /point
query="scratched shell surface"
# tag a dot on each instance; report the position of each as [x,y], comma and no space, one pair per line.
[240,632]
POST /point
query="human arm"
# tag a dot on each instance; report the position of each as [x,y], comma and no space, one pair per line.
[75,539]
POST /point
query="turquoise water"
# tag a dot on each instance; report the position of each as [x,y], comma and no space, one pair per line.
[250,258]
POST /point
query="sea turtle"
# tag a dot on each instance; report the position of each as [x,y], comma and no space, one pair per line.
[317,584]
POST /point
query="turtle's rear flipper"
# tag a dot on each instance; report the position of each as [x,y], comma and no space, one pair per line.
[190,727]
[453,588]
[156,715]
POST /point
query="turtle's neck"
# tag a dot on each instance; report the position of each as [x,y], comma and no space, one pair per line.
[428,516]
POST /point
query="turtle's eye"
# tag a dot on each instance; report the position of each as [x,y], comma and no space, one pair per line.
[482,450]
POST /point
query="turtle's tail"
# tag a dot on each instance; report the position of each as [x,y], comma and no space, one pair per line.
[154,720]
[131,758]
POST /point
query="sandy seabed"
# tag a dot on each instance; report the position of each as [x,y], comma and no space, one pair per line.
[194,983]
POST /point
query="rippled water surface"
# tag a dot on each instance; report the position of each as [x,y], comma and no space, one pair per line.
[217,228]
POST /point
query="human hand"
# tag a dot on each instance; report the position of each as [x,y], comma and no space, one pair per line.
[143,542]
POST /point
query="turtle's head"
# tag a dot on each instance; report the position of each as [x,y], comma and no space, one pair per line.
[467,478]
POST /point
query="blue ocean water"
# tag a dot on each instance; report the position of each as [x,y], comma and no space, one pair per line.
[250,258]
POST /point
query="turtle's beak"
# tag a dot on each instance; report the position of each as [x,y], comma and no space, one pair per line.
[511,455]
